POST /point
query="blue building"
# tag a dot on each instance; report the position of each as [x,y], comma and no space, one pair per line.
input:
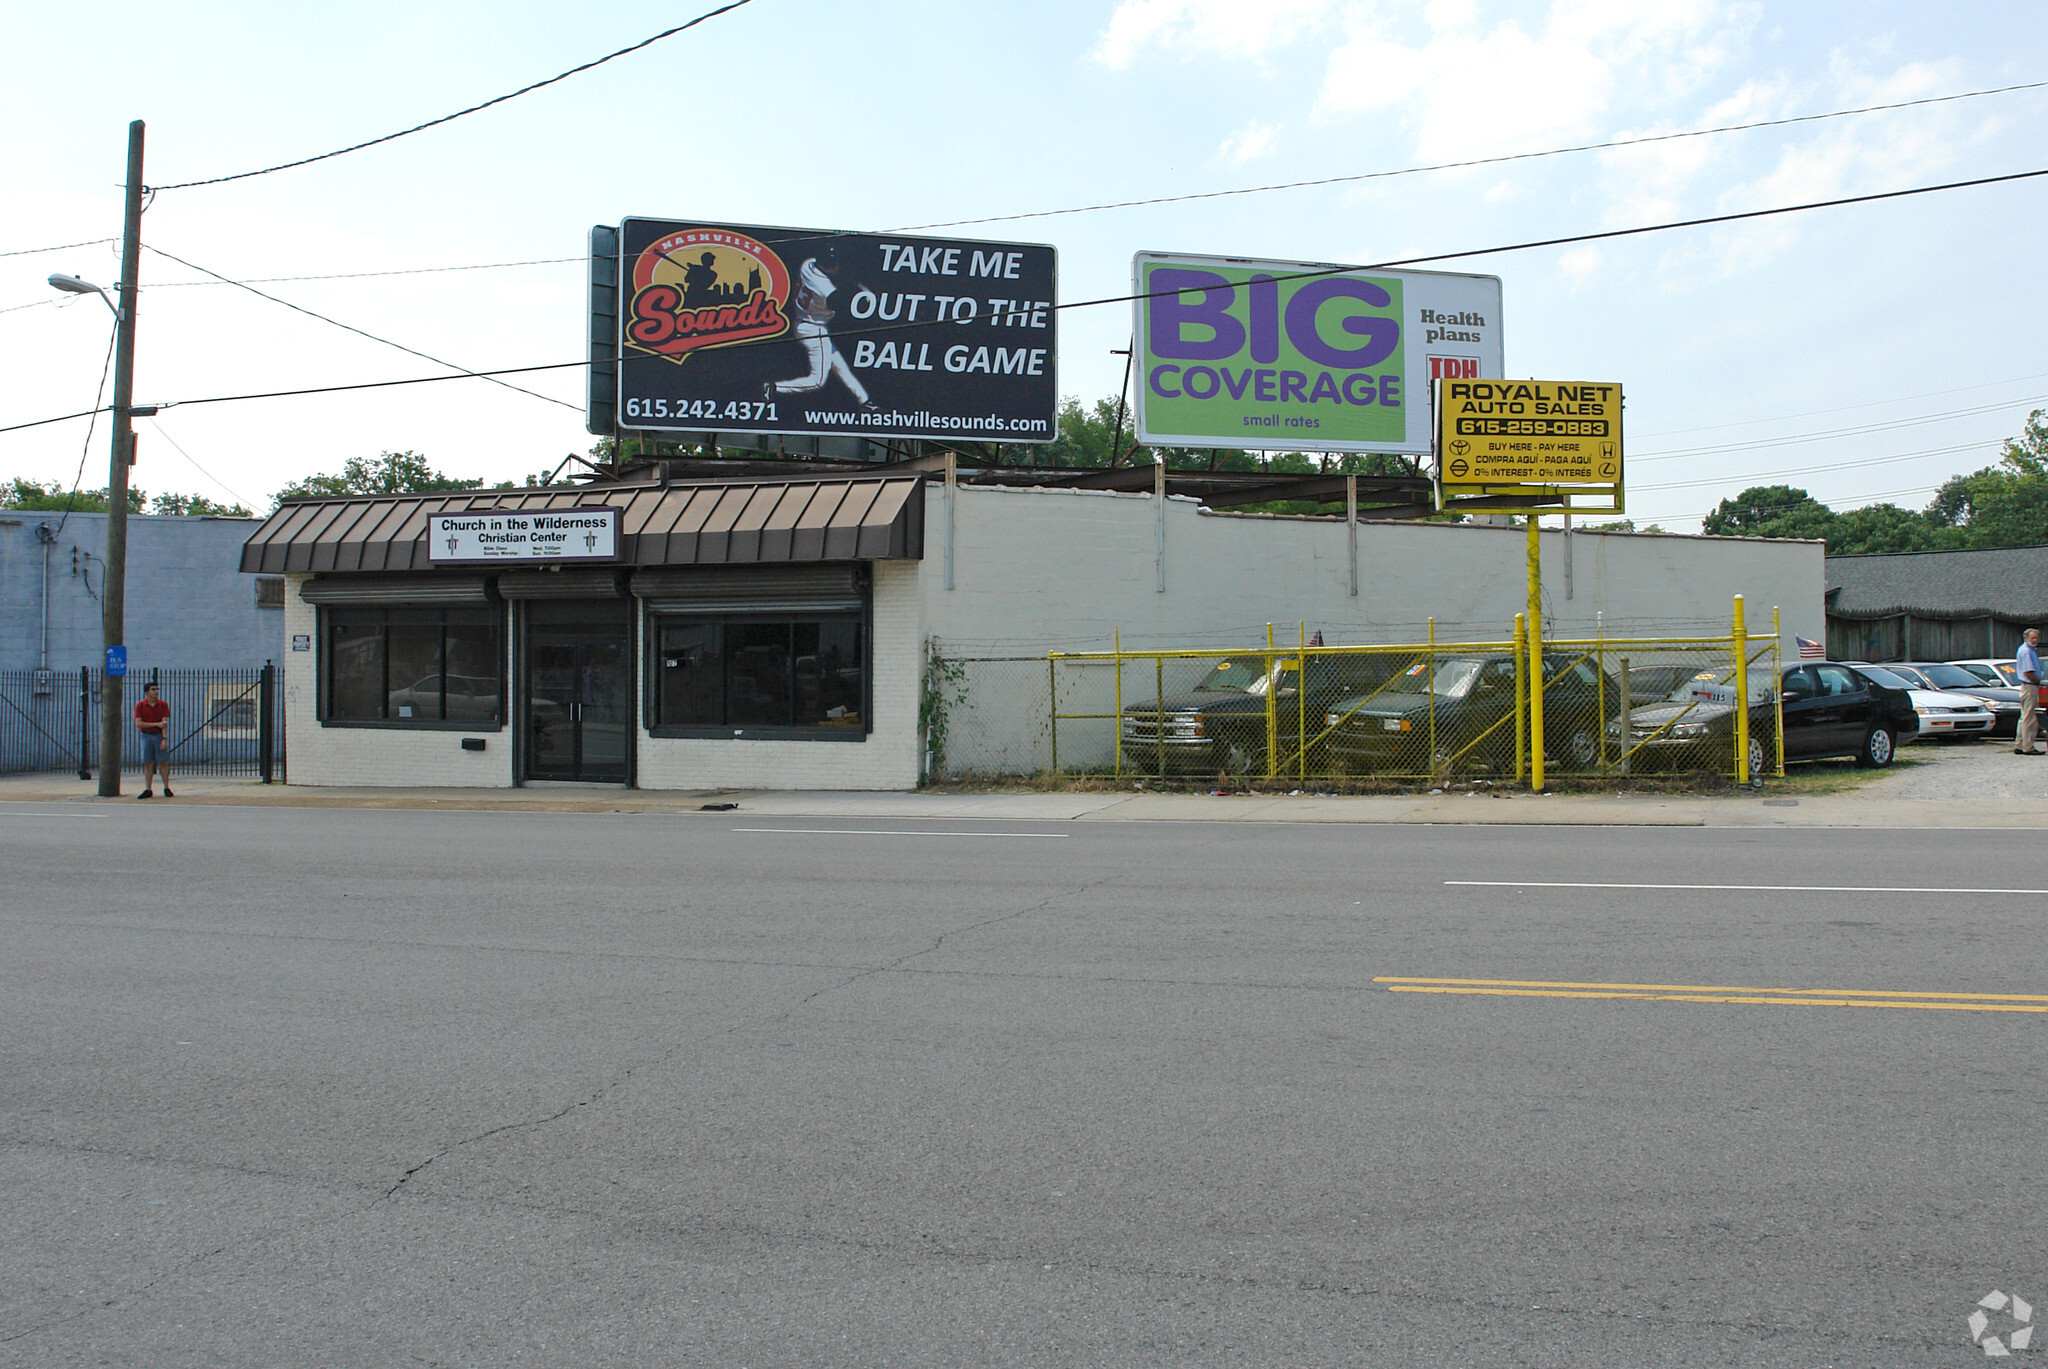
[188,604]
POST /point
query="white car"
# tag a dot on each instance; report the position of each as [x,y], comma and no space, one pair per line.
[1943,716]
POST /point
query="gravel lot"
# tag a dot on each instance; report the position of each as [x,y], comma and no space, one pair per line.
[1965,770]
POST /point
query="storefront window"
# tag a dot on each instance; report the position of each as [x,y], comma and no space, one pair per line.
[412,665]
[756,672]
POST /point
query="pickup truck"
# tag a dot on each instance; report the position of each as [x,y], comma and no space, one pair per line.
[1219,726]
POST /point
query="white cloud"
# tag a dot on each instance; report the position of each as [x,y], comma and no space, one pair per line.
[1468,86]
[1580,265]
[1249,143]
[1248,28]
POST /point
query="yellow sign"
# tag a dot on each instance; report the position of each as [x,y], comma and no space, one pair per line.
[1528,432]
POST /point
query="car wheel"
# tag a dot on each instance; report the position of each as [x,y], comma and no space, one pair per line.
[1582,748]
[1757,763]
[1877,748]
[1242,756]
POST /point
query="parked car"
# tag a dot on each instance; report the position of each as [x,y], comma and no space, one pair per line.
[1692,727]
[2004,672]
[2003,700]
[1831,709]
[1460,715]
[1653,684]
[1219,726]
[1943,716]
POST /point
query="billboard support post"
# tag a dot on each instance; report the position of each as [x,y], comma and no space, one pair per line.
[1535,655]
[1159,518]
[1351,526]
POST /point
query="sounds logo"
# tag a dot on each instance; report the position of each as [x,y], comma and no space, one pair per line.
[706,287]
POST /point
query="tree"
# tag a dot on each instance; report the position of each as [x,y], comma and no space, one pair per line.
[1770,511]
[1885,528]
[389,473]
[34,497]
[194,506]
[2005,505]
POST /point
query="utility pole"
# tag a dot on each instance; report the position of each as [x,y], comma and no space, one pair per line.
[113,719]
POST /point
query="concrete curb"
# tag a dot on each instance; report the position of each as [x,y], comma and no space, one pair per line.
[1863,809]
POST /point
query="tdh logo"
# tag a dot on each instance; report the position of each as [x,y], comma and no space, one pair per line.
[706,287]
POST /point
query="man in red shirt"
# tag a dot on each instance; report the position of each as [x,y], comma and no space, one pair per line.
[153,721]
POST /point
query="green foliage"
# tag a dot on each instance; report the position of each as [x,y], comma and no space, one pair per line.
[1769,511]
[945,685]
[1088,438]
[389,473]
[31,496]
[194,506]
[2005,505]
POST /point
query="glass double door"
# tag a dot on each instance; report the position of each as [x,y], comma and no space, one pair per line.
[579,676]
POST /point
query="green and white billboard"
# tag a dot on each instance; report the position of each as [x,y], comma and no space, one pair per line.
[1277,355]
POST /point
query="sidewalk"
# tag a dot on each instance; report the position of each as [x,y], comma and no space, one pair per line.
[1869,807]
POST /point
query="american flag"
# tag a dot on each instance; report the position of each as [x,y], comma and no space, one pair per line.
[1810,650]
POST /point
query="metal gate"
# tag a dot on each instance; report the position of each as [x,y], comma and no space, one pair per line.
[225,721]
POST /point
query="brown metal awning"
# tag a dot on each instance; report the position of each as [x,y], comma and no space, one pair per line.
[700,524]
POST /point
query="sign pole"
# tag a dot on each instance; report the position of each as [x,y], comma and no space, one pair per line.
[1739,631]
[1535,657]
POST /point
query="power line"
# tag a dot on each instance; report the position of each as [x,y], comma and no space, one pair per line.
[361,333]
[1832,466]
[1827,434]
[1480,161]
[365,275]
[1846,408]
[60,247]
[85,448]
[345,275]
[1856,501]
[449,118]
[195,465]
[1126,299]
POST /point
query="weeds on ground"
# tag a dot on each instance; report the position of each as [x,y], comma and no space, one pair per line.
[1802,779]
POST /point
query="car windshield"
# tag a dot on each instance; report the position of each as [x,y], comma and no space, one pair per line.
[2008,673]
[1450,680]
[1910,675]
[1877,674]
[1239,675]
[1951,677]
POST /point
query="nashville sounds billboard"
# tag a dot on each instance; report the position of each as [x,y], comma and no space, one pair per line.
[1279,354]
[738,329]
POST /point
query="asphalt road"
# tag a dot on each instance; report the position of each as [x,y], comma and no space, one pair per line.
[288,1087]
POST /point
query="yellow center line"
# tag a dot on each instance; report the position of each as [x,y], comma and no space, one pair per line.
[1721,993]
[1725,998]
[1708,989]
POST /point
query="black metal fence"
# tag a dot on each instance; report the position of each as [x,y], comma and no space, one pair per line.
[225,721]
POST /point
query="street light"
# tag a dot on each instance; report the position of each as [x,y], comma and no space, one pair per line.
[72,285]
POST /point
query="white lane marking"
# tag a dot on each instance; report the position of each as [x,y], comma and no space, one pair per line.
[5,814]
[898,832]
[1737,888]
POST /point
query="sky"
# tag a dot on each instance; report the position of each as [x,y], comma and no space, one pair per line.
[1863,353]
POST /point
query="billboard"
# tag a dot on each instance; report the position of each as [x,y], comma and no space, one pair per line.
[1498,434]
[1278,354]
[740,329]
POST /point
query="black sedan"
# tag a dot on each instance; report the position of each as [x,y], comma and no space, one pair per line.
[1830,710]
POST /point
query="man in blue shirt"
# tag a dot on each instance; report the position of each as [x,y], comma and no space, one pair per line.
[2029,667]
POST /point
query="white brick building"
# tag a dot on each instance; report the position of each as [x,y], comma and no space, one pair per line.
[772,634]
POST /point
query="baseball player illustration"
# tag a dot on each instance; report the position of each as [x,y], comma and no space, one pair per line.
[815,288]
